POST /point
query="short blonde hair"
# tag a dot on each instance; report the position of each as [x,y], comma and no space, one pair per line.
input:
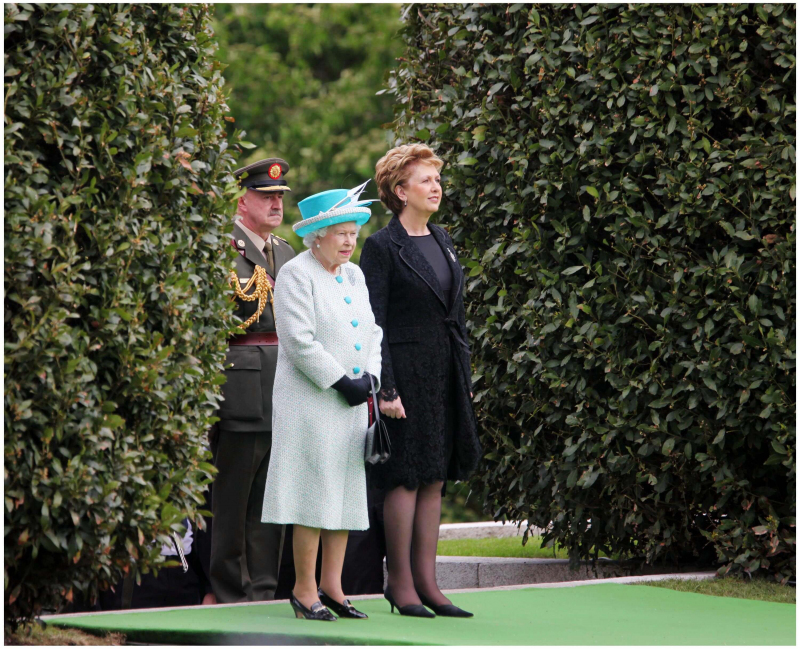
[395,168]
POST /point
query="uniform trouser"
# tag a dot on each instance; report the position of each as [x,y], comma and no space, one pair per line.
[245,553]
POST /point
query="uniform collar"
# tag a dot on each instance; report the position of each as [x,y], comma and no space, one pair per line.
[258,242]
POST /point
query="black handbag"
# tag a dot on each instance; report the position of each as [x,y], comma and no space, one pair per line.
[377,447]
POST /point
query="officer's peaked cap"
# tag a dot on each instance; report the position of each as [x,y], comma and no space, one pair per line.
[264,175]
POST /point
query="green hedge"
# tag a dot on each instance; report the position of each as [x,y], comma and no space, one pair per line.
[621,184]
[116,305]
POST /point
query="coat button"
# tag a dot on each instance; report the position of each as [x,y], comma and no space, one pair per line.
[354,323]
[339,279]
[348,299]
[356,370]
[358,347]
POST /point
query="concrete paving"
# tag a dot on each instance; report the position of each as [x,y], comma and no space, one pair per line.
[634,579]
[492,572]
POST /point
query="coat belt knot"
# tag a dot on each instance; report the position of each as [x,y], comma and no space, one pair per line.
[455,333]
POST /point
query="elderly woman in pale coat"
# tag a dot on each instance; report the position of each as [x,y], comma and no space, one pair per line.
[329,347]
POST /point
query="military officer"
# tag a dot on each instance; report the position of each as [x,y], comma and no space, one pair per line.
[245,553]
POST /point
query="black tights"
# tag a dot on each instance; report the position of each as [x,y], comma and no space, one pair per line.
[411,522]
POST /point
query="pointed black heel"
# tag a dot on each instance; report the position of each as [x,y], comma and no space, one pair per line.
[345,609]
[445,610]
[413,610]
[316,612]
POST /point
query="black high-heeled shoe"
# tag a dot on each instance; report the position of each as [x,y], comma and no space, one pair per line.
[345,609]
[413,610]
[316,612]
[445,610]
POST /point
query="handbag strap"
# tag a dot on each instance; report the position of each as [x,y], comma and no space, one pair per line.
[376,411]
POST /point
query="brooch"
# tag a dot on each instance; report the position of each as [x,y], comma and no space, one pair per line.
[452,256]
[351,275]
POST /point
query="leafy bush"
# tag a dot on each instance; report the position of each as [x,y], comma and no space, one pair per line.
[116,302]
[306,85]
[621,185]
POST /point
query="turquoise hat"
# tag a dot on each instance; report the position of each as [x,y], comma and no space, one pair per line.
[332,207]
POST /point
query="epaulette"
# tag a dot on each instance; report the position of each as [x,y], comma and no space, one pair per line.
[275,236]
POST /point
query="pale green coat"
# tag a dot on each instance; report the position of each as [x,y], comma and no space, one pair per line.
[316,471]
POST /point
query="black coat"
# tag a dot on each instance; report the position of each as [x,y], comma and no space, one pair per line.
[425,357]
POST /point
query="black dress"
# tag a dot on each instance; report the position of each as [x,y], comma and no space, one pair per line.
[425,358]
[435,256]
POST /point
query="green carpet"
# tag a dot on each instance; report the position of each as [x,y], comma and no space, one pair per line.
[599,614]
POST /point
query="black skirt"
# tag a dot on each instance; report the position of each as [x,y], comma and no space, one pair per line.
[417,462]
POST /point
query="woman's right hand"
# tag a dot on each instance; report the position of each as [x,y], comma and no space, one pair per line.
[393,409]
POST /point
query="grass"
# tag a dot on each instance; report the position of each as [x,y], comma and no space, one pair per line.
[35,635]
[503,547]
[760,589]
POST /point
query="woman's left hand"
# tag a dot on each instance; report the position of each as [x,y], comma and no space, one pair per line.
[393,409]
[355,391]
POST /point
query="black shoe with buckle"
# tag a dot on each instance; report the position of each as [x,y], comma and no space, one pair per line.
[345,609]
[316,612]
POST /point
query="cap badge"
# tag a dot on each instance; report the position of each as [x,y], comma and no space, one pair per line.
[274,171]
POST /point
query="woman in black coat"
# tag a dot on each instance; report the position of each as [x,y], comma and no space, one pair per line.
[415,287]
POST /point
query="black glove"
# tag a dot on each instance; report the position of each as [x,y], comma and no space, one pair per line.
[355,391]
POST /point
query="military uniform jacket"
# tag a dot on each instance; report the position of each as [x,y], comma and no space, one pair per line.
[250,369]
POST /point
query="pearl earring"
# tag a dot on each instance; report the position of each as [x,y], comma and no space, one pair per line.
[317,245]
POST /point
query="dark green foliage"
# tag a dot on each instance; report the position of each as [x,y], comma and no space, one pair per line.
[622,186]
[305,80]
[116,302]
